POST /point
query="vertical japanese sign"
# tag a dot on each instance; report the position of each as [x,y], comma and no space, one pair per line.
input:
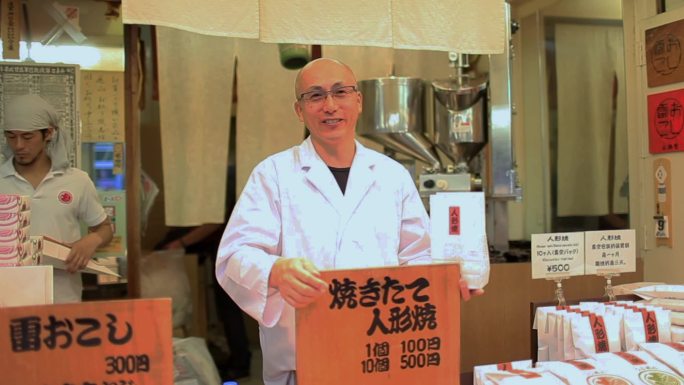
[90,343]
[395,325]
[610,252]
[664,54]
[665,122]
[662,175]
[102,106]
[10,28]
[57,84]
[557,255]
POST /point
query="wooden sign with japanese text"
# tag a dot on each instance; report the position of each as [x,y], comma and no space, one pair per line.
[89,343]
[102,106]
[666,122]
[10,28]
[393,325]
[665,64]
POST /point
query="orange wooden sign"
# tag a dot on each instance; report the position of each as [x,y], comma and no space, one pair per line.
[90,343]
[394,325]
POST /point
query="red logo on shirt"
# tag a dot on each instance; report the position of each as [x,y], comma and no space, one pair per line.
[65,197]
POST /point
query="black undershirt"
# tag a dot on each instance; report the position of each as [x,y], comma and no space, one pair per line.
[341,175]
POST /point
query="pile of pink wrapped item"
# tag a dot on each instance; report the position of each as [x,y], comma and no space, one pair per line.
[17,248]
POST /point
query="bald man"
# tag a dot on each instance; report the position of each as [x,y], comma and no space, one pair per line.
[328,203]
[37,165]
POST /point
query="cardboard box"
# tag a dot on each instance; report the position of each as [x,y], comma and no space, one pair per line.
[26,286]
[55,254]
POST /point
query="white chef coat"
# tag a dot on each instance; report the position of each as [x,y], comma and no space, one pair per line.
[292,207]
[58,204]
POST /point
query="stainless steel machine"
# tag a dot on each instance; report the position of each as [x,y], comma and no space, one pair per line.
[466,145]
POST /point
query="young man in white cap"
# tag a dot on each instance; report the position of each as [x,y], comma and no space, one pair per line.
[37,165]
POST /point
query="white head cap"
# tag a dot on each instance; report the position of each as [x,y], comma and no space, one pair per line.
[31,113]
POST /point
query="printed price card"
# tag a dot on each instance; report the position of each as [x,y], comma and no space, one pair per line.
[557,255]
[382,326]
[610,252]
[103,343]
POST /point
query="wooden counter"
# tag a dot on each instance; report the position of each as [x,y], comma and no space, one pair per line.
[497,326]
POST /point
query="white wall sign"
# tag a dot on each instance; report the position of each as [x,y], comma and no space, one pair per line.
[557,255]
[610,252]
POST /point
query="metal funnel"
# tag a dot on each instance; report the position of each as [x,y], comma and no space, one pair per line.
[393,115]
[459,94]
[460,118]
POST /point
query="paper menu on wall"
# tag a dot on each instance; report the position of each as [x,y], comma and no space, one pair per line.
[56,83]
[458,233]
[102,106]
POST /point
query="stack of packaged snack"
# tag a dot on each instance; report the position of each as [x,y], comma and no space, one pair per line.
[576,332]
[670,297]
[516,372]
[16,247]
[652,364]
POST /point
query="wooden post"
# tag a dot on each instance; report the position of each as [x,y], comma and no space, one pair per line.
[133,166]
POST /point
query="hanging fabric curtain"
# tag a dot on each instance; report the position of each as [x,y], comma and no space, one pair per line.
[195,99]
[466,26]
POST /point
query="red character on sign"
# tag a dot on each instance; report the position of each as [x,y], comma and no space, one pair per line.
[454,220]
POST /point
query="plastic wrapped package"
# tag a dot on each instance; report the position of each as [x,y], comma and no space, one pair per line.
[638,367]
[667,303]
[572,371]
[458,234]
[671,354]
[559,336]
[192,363]
[522,377]
[480,372]
[661,291]
[677,333]
[648,324]
[595,333]
[677,318]
[544,336]
[162,274]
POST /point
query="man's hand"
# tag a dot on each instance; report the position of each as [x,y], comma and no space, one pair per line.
[81,252]
[298,281]
[174,245]
[466,293]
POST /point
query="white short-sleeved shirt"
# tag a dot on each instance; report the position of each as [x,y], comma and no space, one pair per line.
[62,200]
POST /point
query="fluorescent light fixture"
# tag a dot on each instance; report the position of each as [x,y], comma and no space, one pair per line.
[87,57]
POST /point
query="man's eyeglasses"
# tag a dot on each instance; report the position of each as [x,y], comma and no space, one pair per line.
[318,96]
